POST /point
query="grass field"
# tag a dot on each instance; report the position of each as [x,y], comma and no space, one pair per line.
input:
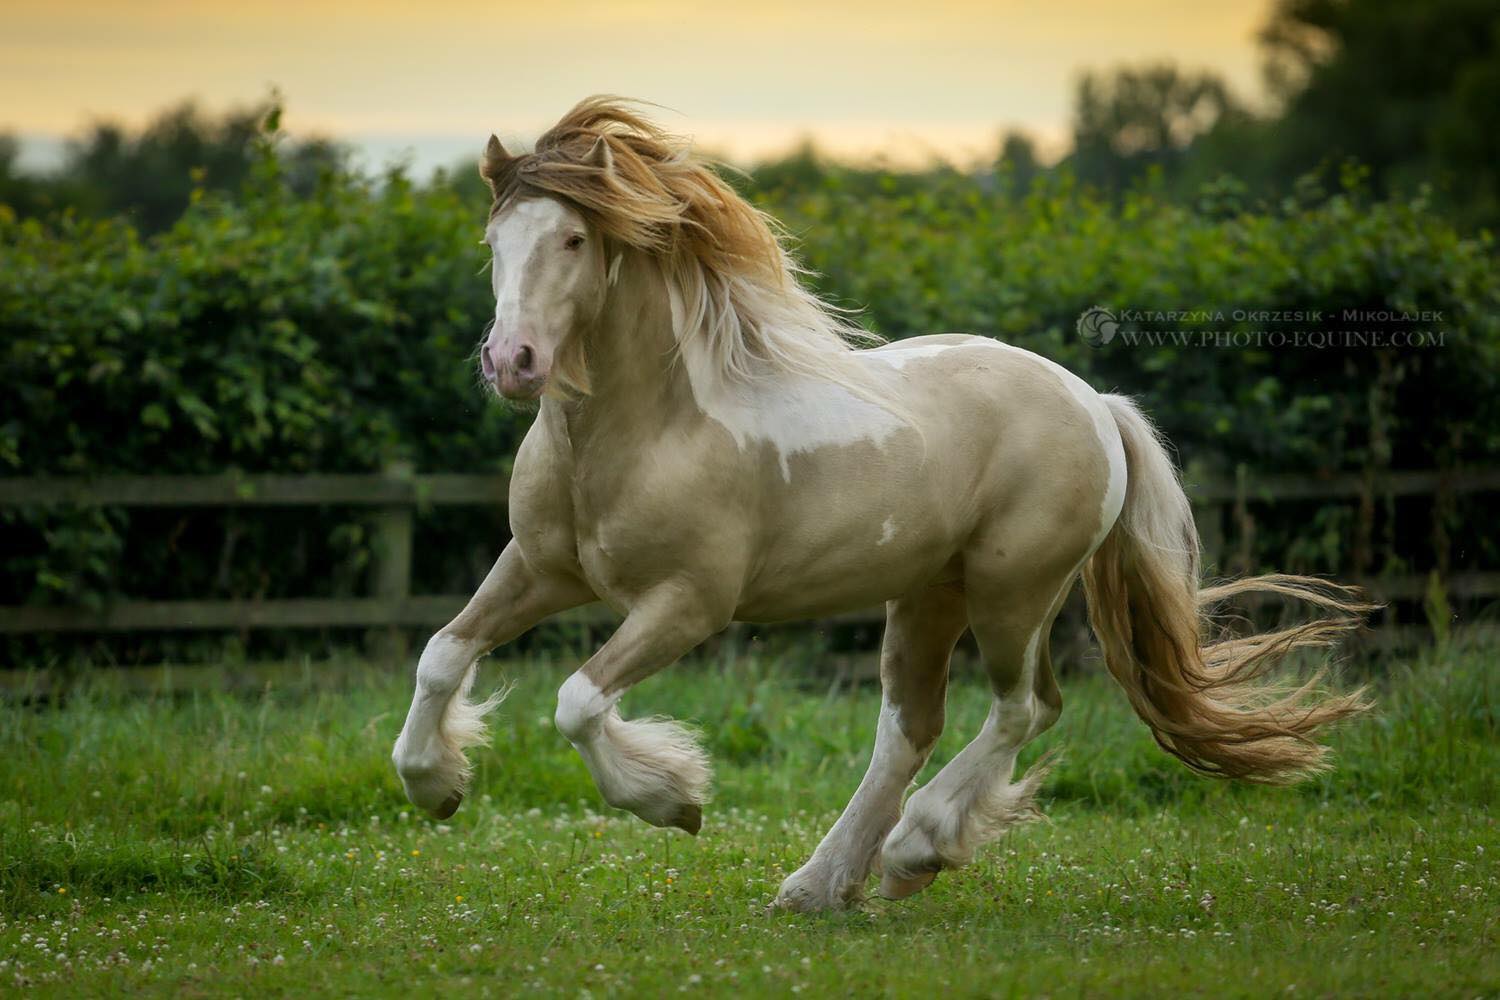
[218,844]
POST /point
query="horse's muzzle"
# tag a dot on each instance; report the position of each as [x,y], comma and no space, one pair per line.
[518,373]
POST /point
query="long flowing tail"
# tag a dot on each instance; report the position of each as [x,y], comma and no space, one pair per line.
[1206,701]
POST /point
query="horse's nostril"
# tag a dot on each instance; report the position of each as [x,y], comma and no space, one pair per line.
[523,359]
[487,363]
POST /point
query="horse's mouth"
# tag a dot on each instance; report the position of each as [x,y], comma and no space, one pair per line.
[514,386]
[520,389]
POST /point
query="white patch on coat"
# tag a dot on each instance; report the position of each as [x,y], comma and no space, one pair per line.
[898,357]
[892,748]
[887,531]
[794,413]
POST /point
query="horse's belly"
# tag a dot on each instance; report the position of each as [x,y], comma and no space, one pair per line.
[854,526]
[808,577]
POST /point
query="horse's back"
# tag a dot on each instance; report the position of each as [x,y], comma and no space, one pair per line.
[1054,476]
[996,441]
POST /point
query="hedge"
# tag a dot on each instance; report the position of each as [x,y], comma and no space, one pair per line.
[337,332]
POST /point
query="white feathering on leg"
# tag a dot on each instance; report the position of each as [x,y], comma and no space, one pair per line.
[463,726]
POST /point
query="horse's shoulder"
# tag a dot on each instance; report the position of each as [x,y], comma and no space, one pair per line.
[539,479]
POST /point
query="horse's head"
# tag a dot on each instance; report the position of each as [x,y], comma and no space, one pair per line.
[605,185]
[548,276]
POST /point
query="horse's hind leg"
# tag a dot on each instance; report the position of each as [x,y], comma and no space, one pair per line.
[973,799]
[919,636]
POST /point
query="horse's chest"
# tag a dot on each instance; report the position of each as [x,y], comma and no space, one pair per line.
[613,550]
[657,519]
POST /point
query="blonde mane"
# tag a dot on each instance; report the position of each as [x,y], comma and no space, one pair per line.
[725,261]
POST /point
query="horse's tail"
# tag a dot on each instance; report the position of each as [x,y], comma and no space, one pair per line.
[1200,698]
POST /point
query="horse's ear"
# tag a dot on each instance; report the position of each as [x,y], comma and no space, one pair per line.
[599,155]
[495,164]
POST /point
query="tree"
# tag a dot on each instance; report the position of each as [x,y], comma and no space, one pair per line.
[149,176]
[1018,160]
[1131,119]
[1410,90]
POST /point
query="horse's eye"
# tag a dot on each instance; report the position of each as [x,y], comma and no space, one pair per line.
[574,242]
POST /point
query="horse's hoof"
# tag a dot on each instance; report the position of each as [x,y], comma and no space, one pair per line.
[449,806]
[804,894]
[689,818]
[892,887]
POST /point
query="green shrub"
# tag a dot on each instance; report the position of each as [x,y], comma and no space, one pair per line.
[336,332]
[266,333]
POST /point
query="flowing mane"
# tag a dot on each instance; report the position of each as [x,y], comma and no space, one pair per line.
[725,261]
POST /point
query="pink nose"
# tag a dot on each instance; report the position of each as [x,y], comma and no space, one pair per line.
[493,359]
[521,360]
[515,368]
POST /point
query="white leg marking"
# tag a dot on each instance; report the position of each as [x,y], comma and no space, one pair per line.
[834,876]
[972,800]
[652,767]
[581,708]
[442,724]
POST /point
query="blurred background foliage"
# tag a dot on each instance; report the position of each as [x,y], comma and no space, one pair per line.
[207,294]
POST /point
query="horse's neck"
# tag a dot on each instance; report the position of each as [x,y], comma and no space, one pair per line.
[637,384]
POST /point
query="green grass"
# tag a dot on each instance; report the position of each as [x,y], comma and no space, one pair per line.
[216,844]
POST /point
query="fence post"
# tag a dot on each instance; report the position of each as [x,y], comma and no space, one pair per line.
[1208,515]
[391,537]
[1244,523]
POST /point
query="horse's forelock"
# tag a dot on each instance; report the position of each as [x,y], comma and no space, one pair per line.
[649,192]
[644,189]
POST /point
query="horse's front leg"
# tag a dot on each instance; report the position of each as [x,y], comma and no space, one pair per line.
[920,632]
[429,753]
[651,767]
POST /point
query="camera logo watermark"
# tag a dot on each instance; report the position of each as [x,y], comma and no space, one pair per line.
[1315,329]
[1097,326]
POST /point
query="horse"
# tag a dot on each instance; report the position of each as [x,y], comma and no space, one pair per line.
[713,443]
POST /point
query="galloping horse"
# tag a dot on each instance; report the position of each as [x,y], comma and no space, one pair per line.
[710,446]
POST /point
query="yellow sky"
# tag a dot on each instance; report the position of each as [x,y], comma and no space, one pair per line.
[907,78]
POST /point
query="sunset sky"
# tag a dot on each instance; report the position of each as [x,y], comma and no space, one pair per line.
[909,80]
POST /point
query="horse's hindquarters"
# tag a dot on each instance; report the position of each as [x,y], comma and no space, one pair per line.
[1003,463]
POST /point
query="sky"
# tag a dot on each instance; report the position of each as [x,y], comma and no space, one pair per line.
[907,81]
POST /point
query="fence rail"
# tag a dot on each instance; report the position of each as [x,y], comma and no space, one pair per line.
[231,490]
[397,494]
[1342,486]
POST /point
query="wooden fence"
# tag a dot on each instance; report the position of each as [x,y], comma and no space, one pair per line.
[1222,507]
